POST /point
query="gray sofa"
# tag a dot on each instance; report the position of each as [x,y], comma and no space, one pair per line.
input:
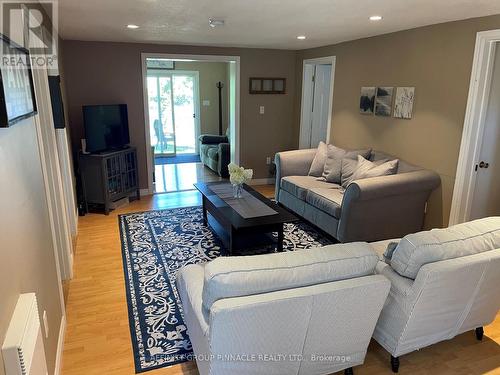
[369,209]
[215,153]
[443,282]
[302,312]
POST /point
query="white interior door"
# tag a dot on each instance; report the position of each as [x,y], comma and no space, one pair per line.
[321,104]
[486,199]
[307,103]
[316,96]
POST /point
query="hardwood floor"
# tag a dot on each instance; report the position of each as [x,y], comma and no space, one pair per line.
[181,177]
[98,336]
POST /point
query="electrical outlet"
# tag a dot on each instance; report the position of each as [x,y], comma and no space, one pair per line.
[206,103]
[261,110]
[46,324]
[268,160]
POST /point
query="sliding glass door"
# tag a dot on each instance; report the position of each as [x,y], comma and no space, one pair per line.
[173,106]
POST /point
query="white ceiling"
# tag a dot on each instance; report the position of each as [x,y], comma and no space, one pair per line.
[256,23]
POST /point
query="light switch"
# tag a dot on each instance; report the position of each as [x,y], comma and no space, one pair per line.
[261,110]
[206,103]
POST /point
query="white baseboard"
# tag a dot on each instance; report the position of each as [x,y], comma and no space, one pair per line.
[262,181]
[60,345]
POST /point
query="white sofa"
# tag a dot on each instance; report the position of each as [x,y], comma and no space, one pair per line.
[303,312]
[443,282]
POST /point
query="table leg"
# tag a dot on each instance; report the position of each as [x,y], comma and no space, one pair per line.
[231,241]
[205,221]
[281,236]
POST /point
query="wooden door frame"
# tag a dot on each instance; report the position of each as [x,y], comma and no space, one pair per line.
[234,123]
[304,114]
[474,124]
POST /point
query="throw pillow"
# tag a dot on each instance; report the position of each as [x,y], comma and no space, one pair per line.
[333,165]
[319,160]
[348,169]
[366,169]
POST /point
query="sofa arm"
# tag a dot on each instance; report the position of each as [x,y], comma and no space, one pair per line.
[397,184]
[224,159]
[206,139]
[293,163]
[385,207]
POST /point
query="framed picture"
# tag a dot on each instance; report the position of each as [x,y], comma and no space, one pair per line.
[367,100]
[383,101]
[17,96]
[403,105]
[267,85]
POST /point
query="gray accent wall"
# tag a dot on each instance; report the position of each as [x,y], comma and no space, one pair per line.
[27,261]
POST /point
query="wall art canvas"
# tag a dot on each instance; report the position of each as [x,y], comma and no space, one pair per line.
[17,93]
[383,101]
[403,105]
[367,100]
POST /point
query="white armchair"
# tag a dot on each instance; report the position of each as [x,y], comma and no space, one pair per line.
[443,282]
[303,312]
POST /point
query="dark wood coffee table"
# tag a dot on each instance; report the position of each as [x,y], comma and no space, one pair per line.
[237,231]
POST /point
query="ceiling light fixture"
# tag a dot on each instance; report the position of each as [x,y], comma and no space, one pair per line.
[212,22]
[132,26]
[375,18]
[301,37]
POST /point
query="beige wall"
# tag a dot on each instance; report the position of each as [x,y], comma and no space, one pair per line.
[27,262]
[209,74]
[103,72]
[437,60]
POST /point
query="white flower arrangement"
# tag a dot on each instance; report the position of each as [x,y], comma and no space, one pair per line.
[239,175]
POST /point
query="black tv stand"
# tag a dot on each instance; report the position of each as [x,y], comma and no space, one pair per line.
[109,176]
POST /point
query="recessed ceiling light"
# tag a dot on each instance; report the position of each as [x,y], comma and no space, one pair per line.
[212,22]
[132,26]
[375,18]
[301,37]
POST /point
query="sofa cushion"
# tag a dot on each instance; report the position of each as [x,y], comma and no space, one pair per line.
[228,277]
[213,153]
[299,185]
[333,164]
[318,162]
[416,250]
[326,200]
[403,167]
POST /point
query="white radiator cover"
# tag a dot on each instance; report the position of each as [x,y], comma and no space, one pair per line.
[22,349]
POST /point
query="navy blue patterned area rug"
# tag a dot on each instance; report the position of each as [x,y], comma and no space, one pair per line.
[155,245]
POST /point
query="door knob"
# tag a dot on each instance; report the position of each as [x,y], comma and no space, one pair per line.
[482,164]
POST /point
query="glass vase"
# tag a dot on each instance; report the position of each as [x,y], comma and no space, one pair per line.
[238,190]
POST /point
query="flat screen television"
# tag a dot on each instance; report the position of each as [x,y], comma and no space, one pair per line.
[106,127]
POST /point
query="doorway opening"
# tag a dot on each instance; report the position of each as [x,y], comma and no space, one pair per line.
[186,96]
[477,183]
[317,101]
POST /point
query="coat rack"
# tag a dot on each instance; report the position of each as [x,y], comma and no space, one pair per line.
[220,85]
